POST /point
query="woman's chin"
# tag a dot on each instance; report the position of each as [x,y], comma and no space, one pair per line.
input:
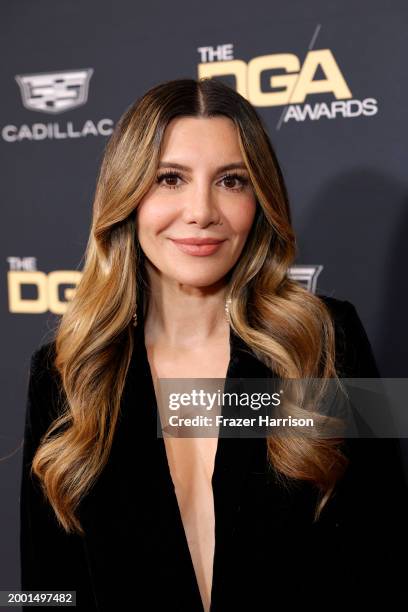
[196,280]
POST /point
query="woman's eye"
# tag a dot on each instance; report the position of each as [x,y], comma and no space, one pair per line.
[168,176]
[236,178]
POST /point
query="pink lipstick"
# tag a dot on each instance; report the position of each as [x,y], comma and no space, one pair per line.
[198,246]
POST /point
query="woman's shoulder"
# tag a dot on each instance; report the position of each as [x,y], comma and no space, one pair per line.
[338,308]
[44,376]
[44,390]
[42,361]
[354,353]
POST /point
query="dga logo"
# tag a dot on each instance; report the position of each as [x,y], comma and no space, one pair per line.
[291,82]
[54,92]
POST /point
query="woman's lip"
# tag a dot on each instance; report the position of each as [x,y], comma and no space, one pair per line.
[199,250]
[198,240]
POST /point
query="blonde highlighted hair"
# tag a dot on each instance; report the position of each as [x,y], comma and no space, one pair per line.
[288,327]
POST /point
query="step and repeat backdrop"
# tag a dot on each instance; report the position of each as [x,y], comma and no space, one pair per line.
[328,79]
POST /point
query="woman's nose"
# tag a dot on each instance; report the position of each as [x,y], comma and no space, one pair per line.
[202,207]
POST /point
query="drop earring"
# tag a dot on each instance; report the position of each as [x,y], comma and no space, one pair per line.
[134,317]
[227,303]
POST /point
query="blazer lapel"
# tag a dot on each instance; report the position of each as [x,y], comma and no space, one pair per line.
[234,456]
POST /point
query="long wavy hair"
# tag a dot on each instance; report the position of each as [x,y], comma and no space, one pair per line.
[288,327]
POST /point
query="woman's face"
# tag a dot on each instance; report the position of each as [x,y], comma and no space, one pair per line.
[200,200]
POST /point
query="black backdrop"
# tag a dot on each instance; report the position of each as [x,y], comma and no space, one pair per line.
[328,78]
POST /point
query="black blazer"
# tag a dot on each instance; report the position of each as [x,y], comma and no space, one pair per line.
[268,552]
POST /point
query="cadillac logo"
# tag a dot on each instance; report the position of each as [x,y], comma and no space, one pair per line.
[54,92]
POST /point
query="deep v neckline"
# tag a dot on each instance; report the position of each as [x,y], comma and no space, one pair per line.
[164,457]
[231,463]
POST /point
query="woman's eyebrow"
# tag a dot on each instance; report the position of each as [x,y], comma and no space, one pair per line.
[232,166]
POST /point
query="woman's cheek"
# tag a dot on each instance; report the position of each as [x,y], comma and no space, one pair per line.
[242,216]
[155,216]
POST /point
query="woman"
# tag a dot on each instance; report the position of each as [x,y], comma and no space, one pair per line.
[126,518]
